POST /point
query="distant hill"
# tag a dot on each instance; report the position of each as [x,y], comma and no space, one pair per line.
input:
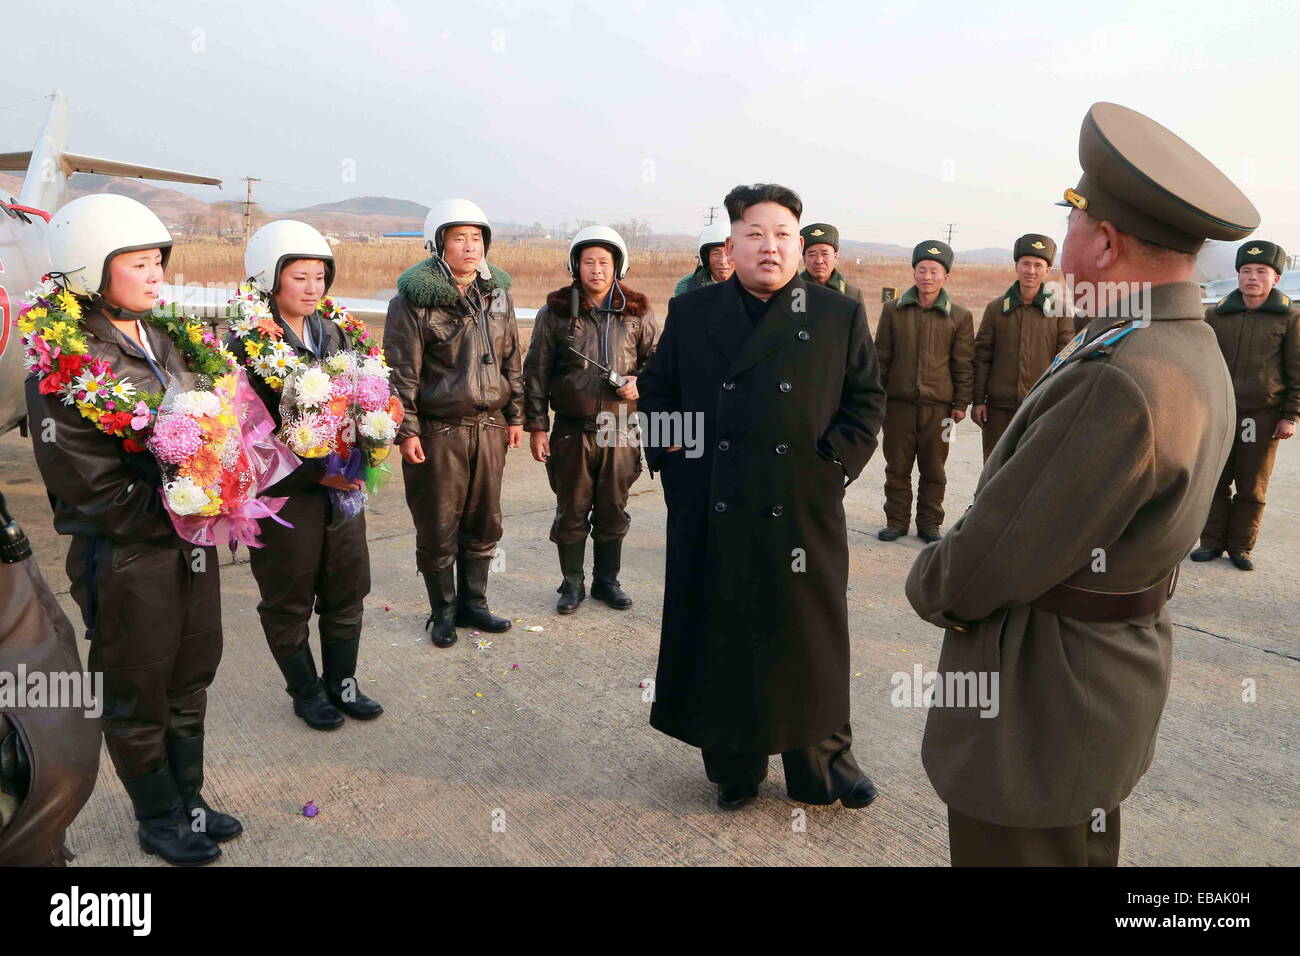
[367,206]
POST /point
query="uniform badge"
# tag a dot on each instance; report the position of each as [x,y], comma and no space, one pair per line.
[1006,305]
[1037,244]
[1254,251]
[1066,352]
[932,251]
[818,232]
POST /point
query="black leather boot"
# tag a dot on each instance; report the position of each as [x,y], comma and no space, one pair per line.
[164,827]
[890,534]
[471,597]
[604,576]
[1206,554]
[304,686]
[185,757]
[573,589]
[339,660]
[441,588]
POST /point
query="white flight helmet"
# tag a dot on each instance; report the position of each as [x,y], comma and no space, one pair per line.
[86,233]
[279,242]
[714,234]
[599,236]
[454,212]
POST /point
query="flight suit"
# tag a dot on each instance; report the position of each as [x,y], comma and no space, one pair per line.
[150,601]
[318,559]
[590,475]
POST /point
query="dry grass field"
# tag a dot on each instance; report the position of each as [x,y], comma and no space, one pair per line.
[367,269]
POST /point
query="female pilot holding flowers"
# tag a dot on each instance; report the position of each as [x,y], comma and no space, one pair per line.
[104,365]
[324,380]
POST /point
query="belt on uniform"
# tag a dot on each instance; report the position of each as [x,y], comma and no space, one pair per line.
[1084,605]
[491,418]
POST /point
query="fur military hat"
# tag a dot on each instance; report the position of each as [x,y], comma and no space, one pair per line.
[820,232]
[1152,185]
[1034,244]
[1268,253]
[940,252]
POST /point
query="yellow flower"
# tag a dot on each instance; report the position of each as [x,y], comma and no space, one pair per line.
[274,381]
[89,411]
[195,333]
[26,324]
[69,304]
[254,349]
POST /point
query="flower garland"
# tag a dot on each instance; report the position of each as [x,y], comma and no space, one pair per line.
[57,353]
[341,408]
[273,359]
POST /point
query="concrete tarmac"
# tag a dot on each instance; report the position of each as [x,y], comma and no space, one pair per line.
[535,748]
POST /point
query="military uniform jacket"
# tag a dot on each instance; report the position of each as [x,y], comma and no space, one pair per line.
[754,649]
[1110,458]
[925,354]
[1014,345]
[1262,349]
[836,282]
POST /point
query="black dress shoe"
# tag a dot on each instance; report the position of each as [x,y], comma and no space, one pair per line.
[733,797]
[890,534]
[611,594]
[1240,561]
[570,597]
[441,626]
[317,711]
[860,794]
[361,707]
[1205,554]
[929,535]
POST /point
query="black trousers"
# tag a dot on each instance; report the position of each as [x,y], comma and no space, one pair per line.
[153,615]
[310,563]
[819,774]
[973,842]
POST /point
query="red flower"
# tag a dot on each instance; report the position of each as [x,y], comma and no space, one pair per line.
[115,423]
[131,445]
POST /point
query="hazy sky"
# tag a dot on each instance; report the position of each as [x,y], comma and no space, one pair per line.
[889,121]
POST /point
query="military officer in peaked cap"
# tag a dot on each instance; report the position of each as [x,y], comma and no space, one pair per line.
[1259,332]
[1055,579]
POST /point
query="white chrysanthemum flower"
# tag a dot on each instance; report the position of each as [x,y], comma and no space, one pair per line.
[341,362]
[373,366]
[378,426]
[312,386]
[196,404]
[185,497]
[91,384]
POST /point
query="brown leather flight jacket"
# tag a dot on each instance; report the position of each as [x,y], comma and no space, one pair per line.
[926,355]
[1015,343]
[1262,350]
[59,745]
[575,389]
[453,359]
[96,486]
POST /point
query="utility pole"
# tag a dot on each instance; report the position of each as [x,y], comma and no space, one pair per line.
[951,228]
[712,215]
[248,208]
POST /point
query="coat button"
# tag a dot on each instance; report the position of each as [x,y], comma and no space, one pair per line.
[786,386]
[728,386]
[777,511]
[720,506]
[724,445]
[782,448]
[803,335]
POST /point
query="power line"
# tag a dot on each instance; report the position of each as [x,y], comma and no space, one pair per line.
[712,215]
[951,229]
